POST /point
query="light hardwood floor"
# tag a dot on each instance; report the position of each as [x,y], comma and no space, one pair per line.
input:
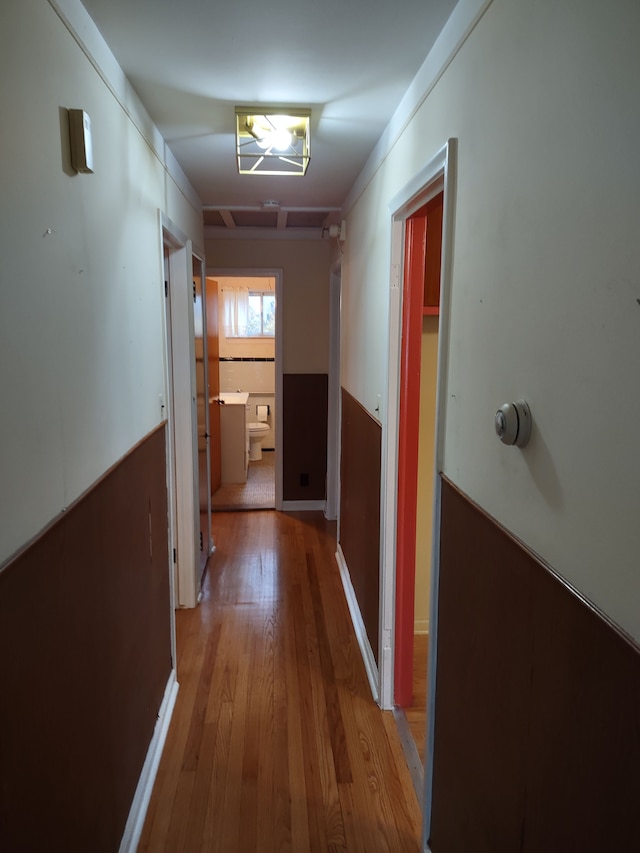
[275,743]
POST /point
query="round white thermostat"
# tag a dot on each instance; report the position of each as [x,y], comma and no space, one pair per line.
[513,423]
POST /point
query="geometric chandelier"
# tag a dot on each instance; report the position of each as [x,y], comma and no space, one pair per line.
[272,141]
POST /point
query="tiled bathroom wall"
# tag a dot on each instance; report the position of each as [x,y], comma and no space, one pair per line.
[254,376]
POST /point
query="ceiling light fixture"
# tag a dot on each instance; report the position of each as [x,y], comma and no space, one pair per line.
[272,142]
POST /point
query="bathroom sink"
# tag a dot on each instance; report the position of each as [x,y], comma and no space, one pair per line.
[232,398]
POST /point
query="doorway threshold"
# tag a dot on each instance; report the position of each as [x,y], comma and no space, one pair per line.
[410,751]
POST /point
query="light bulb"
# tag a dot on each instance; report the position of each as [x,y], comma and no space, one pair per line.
[280,139]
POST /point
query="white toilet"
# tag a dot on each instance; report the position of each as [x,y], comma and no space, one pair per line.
[257,431]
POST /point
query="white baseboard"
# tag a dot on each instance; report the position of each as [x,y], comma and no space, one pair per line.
[140,803]
[296,506]
[358,625]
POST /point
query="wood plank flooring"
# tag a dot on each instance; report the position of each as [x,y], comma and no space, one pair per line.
[275,742]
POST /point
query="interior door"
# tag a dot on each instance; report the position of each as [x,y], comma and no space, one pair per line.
[415,242]
[213,359]
[202,407]
[173,511]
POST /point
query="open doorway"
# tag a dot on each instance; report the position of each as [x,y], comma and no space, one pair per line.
[245,405]
[418,377]
[397,619]
[416,429]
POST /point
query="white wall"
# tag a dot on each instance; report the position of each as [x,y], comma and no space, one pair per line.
[305,286]
[543,99]
[81,299]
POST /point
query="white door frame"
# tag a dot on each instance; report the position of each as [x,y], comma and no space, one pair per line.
[332,504]
[260,272]
[166,407]
[207,544]
[181,411]
[436,175]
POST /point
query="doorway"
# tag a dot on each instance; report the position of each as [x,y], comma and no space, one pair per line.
[418,372]
[436,176]
[247,304]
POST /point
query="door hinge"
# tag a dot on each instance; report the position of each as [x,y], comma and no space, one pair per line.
[166,288]
[201,542]
[194,291]
[175,556]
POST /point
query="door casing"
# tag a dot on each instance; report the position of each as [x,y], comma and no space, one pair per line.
[438,174]
[181,411]
[202,414]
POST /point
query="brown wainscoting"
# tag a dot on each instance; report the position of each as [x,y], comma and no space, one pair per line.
[537,721]
[360,470]
[86,655]
[304,436]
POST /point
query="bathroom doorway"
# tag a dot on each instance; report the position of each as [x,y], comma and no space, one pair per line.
[245,406]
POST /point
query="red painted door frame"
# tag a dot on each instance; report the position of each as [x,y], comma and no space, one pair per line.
[415,248]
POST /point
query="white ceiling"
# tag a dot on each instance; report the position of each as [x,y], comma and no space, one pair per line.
[192,61]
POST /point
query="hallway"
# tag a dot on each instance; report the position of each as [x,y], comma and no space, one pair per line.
[275,742]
